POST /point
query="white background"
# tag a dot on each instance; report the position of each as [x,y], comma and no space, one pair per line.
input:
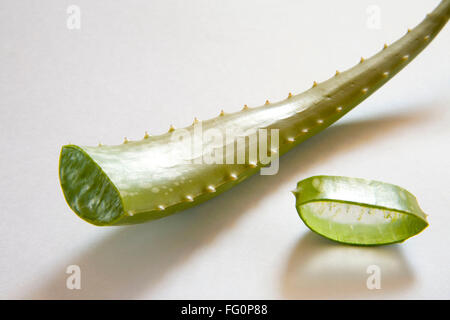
[142,65]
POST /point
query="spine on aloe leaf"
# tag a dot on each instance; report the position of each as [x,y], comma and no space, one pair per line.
[147,179]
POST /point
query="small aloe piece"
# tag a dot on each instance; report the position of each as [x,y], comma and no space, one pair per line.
[143,180]
[358,211]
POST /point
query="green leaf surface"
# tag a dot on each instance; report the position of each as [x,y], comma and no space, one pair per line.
[358,211]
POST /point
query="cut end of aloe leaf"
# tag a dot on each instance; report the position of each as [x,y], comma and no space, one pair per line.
[87,189]
[358,211]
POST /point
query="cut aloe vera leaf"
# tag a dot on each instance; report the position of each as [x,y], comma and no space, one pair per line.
[151,178]
[358,211]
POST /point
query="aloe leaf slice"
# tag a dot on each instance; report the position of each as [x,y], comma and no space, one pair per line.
[358,211]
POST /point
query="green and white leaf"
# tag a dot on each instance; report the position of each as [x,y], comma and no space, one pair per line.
[358,211]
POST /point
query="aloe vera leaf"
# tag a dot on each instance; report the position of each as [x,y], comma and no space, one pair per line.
[144,180]
[358,211]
